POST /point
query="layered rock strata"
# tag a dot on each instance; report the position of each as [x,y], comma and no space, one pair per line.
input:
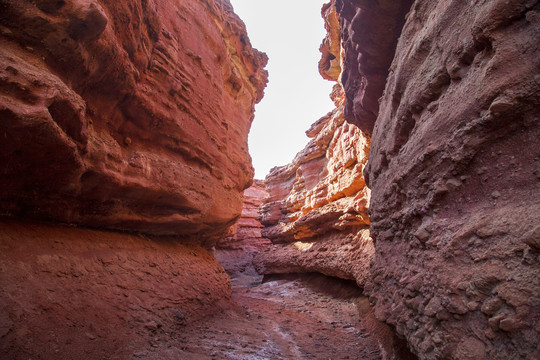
[316,212]
[127,116]
[454,170]
[235,252]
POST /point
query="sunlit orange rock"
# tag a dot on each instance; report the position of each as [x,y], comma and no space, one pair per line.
[125,115]
[330,63]
[316,212]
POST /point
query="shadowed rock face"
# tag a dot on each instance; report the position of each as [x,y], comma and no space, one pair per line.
[369,33]
[126,115]
[454,170]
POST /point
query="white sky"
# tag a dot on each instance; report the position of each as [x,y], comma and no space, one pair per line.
[289,32]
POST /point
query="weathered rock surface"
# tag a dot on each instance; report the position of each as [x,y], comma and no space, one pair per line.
[369,33]
[316,212]
[454,170]
[74,293]
[126,115]
[235,252]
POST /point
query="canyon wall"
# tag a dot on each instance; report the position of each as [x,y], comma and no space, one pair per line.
[236,251]
[447,95]
[316,212]
[131,117]
[126,116]
[454,170]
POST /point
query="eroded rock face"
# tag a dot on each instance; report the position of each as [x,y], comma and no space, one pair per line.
[126,115]
[75,293]
[316,212]
[454,170]
[369,33]
[235,252]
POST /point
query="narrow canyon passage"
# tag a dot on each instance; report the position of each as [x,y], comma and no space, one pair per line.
[131,225]
[288,317]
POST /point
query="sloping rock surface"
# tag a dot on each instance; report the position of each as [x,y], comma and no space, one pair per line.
[126,115]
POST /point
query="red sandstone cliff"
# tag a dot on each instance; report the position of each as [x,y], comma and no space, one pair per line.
[126,116]
[316,212]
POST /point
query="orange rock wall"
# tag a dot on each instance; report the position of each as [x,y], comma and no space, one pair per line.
[316,212]
[126,115]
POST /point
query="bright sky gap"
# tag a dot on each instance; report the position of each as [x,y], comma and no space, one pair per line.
[290,33]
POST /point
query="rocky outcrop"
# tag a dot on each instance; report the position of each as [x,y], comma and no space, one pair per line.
[454,170]
[316,212]
[126,116]
[369,33]
[120,115]
[235,252]
[75,293]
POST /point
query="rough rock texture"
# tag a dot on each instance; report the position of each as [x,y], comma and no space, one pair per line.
[316,212]
[71,293]
[235,252]
[127,115]
[369,33]
[454,170]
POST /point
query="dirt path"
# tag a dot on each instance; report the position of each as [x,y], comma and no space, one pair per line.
[308,317]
